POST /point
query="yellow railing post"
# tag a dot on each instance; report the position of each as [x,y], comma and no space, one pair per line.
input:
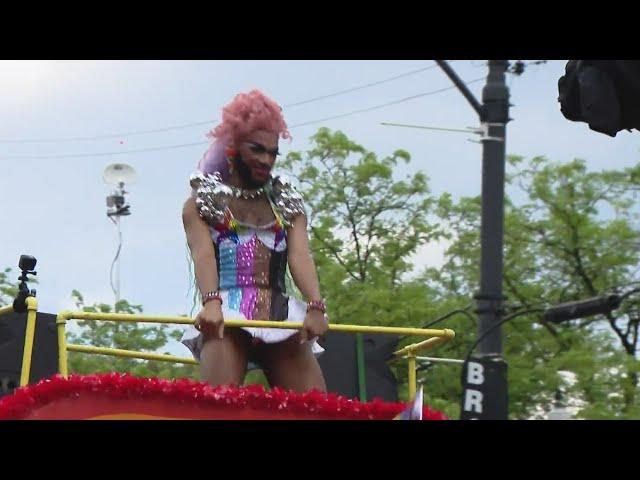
[411,361]
[63,366]
[32,309]
[409,353]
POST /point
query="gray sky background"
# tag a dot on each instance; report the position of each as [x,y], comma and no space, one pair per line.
[55,208]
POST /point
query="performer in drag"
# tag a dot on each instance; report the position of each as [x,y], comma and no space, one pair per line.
[243,227]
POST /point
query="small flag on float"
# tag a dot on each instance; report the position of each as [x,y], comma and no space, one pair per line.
[414,410]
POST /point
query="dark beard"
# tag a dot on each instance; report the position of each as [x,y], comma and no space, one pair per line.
[245,174]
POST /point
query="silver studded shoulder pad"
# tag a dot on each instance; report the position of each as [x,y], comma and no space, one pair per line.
[287,199]
[211,195]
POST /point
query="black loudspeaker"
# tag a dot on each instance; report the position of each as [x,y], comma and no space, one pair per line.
[339,365]
[44,362]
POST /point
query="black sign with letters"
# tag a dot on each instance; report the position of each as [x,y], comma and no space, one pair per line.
[484,389]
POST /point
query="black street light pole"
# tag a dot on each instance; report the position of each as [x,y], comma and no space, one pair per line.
[495,100]
[484,377]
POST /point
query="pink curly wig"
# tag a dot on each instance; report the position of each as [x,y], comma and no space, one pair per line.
[246,113]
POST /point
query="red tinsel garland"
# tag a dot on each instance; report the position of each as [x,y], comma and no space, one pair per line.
[123,386]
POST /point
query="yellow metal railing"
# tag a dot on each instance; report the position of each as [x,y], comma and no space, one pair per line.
[436,337]
[116,352]
[409,353]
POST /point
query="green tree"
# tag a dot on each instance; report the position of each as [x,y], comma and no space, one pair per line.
[8,288]
[571,235]
[574,236]
[365,225]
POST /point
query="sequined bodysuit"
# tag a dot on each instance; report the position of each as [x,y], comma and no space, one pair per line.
[251,260]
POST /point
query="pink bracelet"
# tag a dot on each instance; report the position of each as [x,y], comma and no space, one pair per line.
[213,295]
[317,305]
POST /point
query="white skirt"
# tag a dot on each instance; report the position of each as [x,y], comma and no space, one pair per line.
[297,311]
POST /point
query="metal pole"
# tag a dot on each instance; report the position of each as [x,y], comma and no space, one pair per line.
[485,385]
[495,97]
[29,336]
[362,368]
[462,87]
[117,282]
[63,363]
[485,379]
[411,365]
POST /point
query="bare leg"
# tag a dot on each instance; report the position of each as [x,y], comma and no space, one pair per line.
[223,361]
[292,366]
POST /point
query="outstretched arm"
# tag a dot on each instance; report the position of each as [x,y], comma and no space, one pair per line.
[202,252]
[305,276]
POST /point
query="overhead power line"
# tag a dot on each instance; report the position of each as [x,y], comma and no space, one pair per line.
[210,122]
[184,145]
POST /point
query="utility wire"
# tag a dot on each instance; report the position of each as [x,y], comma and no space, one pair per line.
[209,122]
[168,147]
